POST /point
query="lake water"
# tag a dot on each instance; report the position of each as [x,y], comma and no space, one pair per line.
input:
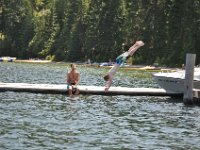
[31,121]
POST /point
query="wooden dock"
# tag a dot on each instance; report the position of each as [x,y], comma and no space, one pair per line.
[95,90]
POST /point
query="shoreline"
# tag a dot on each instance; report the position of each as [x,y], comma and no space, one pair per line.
[134,67]
[31,61]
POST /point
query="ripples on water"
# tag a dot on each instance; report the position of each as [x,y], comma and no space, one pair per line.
[48,121]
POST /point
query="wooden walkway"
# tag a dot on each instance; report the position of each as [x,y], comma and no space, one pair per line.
[95,90]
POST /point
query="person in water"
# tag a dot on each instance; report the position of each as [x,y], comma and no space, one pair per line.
[73,77]
[119,60]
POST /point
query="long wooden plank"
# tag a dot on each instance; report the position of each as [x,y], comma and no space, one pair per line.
[95,90]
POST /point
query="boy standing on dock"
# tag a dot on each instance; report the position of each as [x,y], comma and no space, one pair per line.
[73,77]
[119,60]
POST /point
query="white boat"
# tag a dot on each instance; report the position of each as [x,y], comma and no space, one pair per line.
[7,59]
[174,81]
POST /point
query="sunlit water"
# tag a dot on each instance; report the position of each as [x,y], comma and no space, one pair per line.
[46,121]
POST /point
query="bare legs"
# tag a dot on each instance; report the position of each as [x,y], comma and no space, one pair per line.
[71,91]
[133,48]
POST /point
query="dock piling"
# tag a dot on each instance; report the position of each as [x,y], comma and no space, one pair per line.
[189,75]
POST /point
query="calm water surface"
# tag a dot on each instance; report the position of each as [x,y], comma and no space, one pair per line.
[31,121]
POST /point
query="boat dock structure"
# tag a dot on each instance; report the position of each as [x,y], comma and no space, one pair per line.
[95,90]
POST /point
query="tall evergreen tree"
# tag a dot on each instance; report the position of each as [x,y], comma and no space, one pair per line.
[77,30]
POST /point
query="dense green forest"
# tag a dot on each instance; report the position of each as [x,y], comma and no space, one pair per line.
[77,30]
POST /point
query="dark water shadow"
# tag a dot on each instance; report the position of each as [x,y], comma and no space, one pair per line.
[195,101]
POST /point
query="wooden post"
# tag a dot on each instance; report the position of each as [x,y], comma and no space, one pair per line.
[189,75]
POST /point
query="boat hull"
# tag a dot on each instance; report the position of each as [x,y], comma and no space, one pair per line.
[174,84]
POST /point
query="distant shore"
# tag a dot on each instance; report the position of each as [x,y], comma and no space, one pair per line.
[14,59]
[32,61]
[130,67]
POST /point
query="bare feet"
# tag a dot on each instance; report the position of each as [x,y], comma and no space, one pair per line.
[139,43]
[133,48]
